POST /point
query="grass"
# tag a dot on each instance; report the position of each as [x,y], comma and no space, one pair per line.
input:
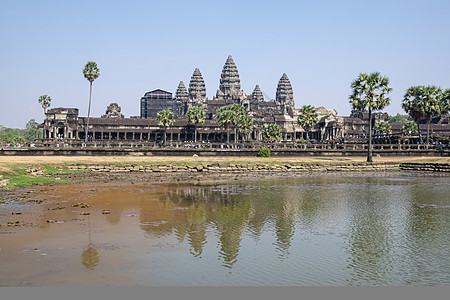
[20,180]
[18,176]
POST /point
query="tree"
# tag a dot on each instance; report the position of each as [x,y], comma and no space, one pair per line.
[30,130]
[245,125]
[90,72]
[225,117]
[272,132]
[229,115]
[398,118]
[382,128]
[308,117]
[410,128]
[45,101]
[425,102]
[165,119]
[196,115]
[370,92]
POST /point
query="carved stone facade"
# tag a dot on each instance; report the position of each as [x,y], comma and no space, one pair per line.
[113,111]
[61,123]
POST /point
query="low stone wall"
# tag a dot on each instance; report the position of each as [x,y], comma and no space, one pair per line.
[239,168]
[427,167]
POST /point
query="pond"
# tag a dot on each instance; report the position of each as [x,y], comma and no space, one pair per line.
[332,229]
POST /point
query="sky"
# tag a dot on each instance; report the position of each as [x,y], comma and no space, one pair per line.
[140,46]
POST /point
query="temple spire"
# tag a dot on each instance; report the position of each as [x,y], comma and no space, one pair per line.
[181,94]
[230,83]
[197,88]
[285,94]
[257,94]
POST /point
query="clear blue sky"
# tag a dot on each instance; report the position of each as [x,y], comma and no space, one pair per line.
[144,45]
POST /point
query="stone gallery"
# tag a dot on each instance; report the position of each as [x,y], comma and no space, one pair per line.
[65,123]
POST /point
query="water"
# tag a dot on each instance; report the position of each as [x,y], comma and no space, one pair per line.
[317,230]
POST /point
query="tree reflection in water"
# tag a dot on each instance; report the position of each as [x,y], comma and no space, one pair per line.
[189,212]
[90,257]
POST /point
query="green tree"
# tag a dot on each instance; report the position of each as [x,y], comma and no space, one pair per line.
[165,119]
[90,72]
[369,91]
[45,101]
[11,135]
[307,118]
[229,116]
[30,130]
[398,118]
[272,132]
[196,115]
[425,102]
[410,128]
[225,117]
[245,125]
[412,103]
[382,128]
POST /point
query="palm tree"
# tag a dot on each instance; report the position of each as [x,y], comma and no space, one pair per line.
[412,104]
[245,125]
[196,115]
[45,101]
[90,72]
[225,117]
[308,117]
[425,102]
[370,92]
[165,119]
[272,132]
[409,128]
[238,110]
[382,128]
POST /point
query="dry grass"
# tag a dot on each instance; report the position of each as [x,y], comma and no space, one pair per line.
[7,161]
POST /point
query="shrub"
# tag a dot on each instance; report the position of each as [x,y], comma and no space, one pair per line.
[264,152]
[301,141]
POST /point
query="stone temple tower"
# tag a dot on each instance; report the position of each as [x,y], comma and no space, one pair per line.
[285,95]
[230,84]
[181,99]
[257,94]
[197,90]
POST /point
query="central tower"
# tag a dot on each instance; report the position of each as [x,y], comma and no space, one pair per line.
[230,84]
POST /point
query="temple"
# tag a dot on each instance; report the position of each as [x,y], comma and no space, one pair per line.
[65,123]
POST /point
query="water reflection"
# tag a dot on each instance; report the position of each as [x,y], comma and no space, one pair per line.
[90,258]
[375,222]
